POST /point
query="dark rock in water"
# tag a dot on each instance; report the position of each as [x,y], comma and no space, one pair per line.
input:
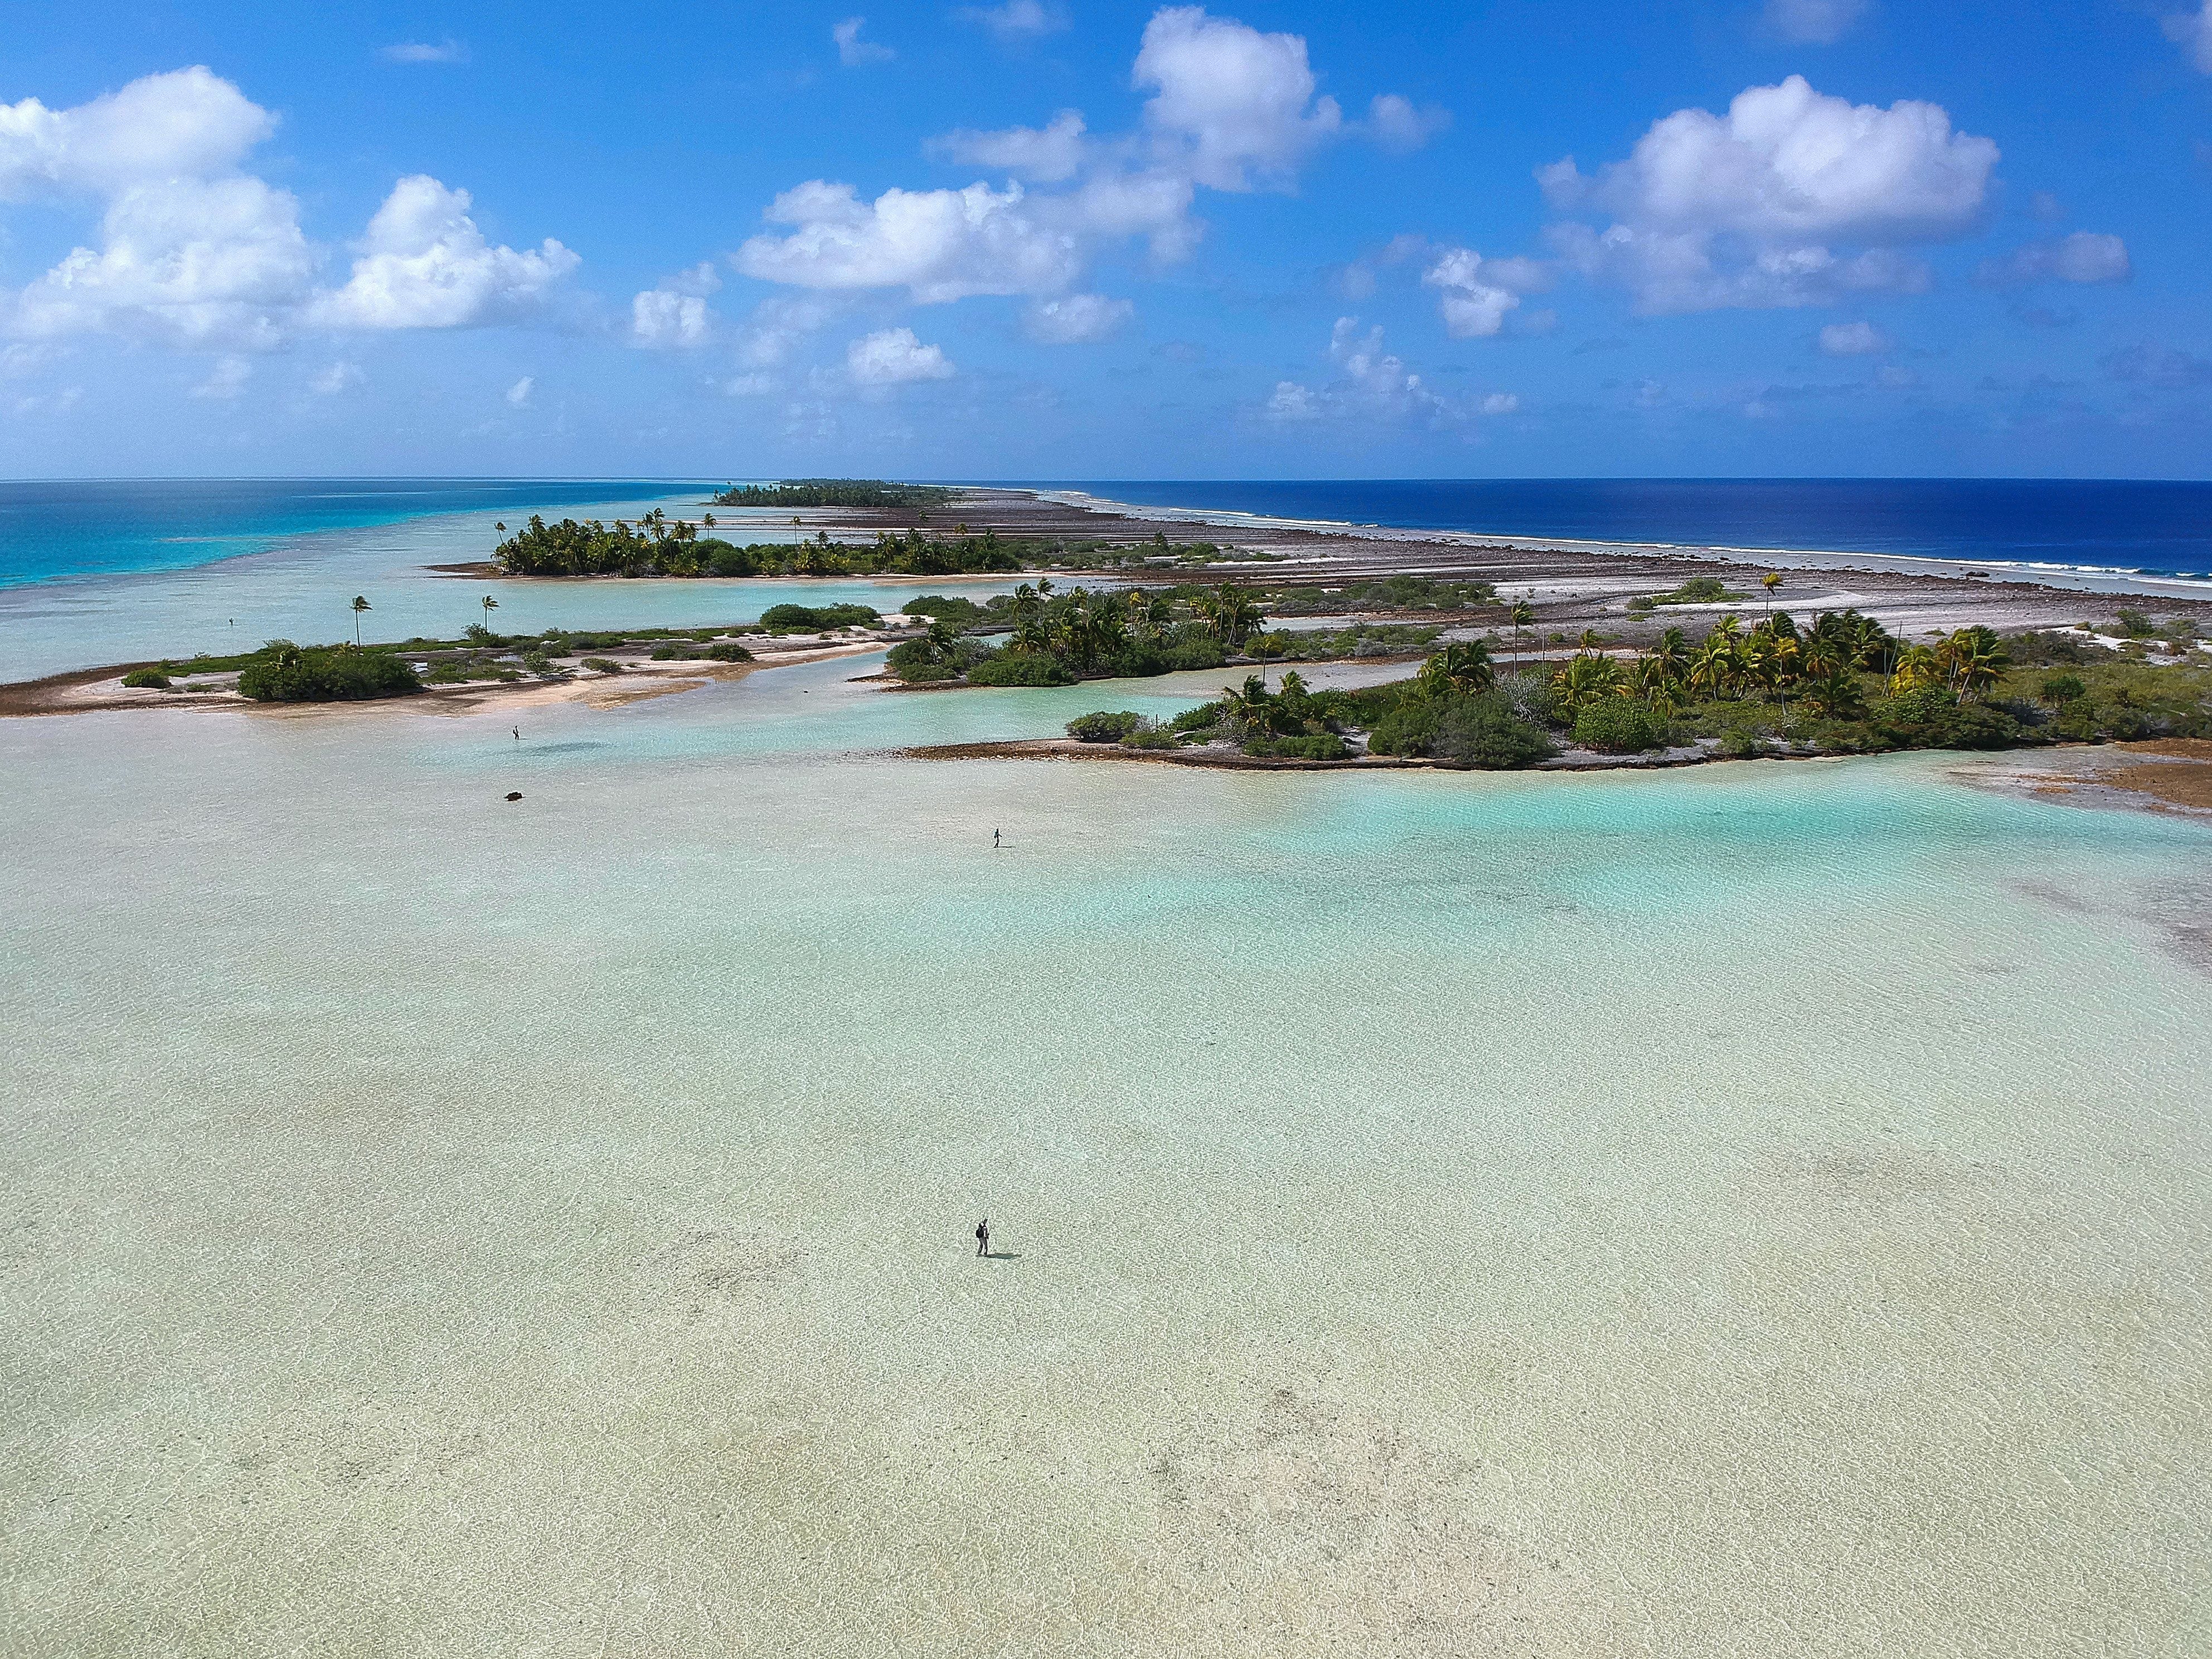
[514,795]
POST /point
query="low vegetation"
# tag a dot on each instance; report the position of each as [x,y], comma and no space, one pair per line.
[1699,589]
[1844,685]
[282,671]
[1051,636]
[833,492]
[659,547]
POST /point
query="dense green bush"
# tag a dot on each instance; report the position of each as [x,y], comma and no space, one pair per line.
[833,492]
[282,671]
[1620,725]
[818,618]
[1320,746]
[918,660]
[1409,729]
[146,679]
[1018,668]
[1104,726]
[1484,731]
[603,664]
[960,613]
[728,651]
[1188,654]
[1932,717]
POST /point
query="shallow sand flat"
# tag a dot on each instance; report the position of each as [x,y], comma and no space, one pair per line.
[1758,1209]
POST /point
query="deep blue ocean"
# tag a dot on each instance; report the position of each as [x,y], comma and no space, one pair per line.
[56,531]
[60,532]
[2156,528]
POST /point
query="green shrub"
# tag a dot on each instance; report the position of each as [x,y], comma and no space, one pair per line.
[2059,688]
[728,651]
[1199,719]
[1103,726]
[282,671]
[1409,729]
[669,654]
[818,618]
[1189,654]
[1932,717]
[725,560]
[146,679]
[1323,746]
[961,613]
[603,664]
[1484,731]
[1018,668]
[1620,725]
[1151,736]
[2137,625]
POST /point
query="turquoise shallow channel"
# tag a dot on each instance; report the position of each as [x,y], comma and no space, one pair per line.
[1758,1210]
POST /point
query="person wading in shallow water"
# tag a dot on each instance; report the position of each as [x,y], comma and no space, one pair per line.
[994,841]
[983,1237]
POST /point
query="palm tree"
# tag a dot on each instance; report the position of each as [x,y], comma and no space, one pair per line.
[707,519]
[794,530]
[1972,660]
[1584,679]
[360,605]
[1463,665]
[1231,615]
[1713,669]
[1669,659]
[490,605]
[1524,614]
[1832,689]
[1770,581]
[1915,667]
[1589,640]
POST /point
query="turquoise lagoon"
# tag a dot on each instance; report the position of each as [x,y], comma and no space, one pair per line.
[1759,1210]
[301,583]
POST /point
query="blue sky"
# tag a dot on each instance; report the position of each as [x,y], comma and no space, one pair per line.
[1080,240]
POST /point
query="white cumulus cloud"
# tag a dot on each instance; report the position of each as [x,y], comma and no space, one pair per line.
[1501,403]
[226,380]
[193,252]
[1813,22]
[518,395]
[2085,256]
[2192,32]
[1745,209]
[1048,153]
[893,356]
[1393,123]
[1231,108]
[1018,20]
[852,50]
[1241,100]
[939,245]
[1076,318]
[675,312]
[338,377]
[1477,294]
[1292,402]
[1853,340]
[188,123]
[448,50]
[184,262]
[424,265]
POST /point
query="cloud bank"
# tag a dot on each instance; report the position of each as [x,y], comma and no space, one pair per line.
[195,251]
